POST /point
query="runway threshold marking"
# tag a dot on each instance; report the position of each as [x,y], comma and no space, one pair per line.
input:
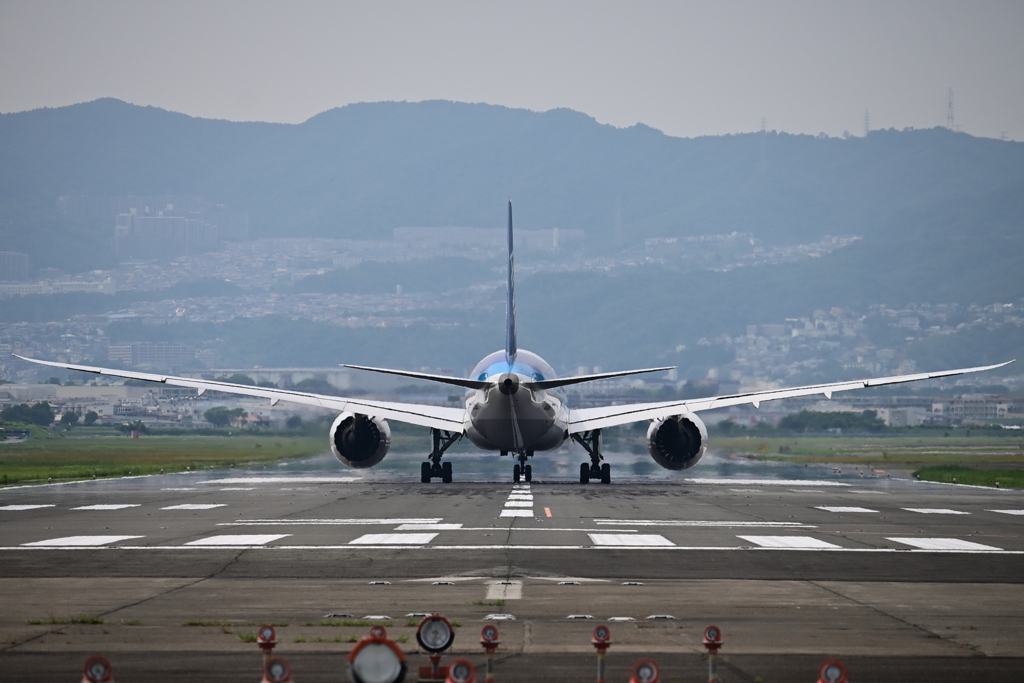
[393,539]
[1008,512]
[943,544]
[238,539]
[936,511]
[699,523]
[112,506]
[89,541]
[388,521]
[802,542]
[195,506]
[512,503]
[428,527]
[19,508]
[630,540]
[840,508]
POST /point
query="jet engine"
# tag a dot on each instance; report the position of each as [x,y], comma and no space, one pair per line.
[678,442]
[360,441]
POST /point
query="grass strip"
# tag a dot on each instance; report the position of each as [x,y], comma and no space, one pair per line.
[80,619]
[972,475]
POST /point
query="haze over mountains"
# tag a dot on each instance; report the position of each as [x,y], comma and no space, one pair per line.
[941,213]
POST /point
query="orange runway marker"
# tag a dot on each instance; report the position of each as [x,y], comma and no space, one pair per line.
[547,511]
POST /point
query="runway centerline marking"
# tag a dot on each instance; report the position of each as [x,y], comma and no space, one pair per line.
[428,527]
[519,503]
[87,541]
[943,544]
[803,542]
[699,523]
[516,513]
[393,539]
[1008,512]
[840,508]
[936,511]
[644,540]
[19,508]
[113,506]
[238,539]
[195,506]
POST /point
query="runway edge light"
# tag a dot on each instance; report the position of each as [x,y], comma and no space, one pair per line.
[644,671]
[712,641]
[489,641]
[97,669]
[832,671]
[277,670]
[266,639]
[601,641]
[460,671]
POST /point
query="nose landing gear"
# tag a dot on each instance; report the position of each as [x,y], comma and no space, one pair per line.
[595,469]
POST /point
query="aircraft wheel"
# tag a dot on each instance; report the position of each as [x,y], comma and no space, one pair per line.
[528,472]
[584,473]
[446,472]
[425,473]
[606,473]
[515,473]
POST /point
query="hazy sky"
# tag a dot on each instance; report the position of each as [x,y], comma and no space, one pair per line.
[687,68]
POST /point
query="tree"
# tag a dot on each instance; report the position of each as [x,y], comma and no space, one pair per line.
[237,378]
[221,416]
[53,380]
[69,418]
[91,417]
[137,426]
[38,413]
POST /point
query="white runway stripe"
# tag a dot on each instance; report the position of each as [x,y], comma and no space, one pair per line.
[519,503]
[516,513]
[195,506]
[698,523]
[393,539]
[24,507]
[630,540]
[805,542]
[520,496]
[840,508]
[764,482]
[113,506]
[1008,512]
[936,511]
[943,544]
[343,522]
[241,539]
[283,480]
[80,541]
[429,527]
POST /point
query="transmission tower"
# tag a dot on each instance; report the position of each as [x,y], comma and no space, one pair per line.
[763,122]
[867,122]
[949,112]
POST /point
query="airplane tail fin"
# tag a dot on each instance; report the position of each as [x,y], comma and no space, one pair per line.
[510,302]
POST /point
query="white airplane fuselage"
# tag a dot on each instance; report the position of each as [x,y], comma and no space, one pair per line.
[509,414]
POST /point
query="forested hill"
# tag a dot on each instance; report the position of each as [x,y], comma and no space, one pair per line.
[363,169]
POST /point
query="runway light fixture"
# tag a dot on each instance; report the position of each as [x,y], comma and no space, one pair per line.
[435,634]
[97,670]
[832,671]
[460,671]
[644,671]
[277,670]
[376,660]
[712,641]
[267,639]
[489,641]
[601,641]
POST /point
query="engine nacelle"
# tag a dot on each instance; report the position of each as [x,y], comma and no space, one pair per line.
[360,441]
[678,442]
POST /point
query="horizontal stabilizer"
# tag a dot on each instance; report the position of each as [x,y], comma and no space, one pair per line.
[579,379]
[443,379]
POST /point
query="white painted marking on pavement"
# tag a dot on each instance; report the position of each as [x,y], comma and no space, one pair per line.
[195,506]
[393,539]
[239,539]
[504,590]
[520,496]
[804,542]
[519,503]
[428,527]
[764,482]
[109,507]
[936,511]
[516,513]
[840,508]
[25,507]
[238,488]
[314,522]
[698,523]
[943,544]
[79,541]
[630,539]
[283,480]
[1008,512]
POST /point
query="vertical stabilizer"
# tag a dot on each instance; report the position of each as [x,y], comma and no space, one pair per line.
[510,301]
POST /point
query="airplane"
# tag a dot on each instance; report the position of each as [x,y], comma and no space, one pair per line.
[515,404]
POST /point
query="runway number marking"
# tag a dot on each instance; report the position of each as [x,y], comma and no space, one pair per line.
[635,540]
[239,539]
[79,541]
[840,508]
[788,542]
[108,507]
[936,511]
[24,507]
[943,544]
[195,506]
[393,539]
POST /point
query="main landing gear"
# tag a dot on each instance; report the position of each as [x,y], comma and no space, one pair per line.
[521,469]
[591,441]
[434,468]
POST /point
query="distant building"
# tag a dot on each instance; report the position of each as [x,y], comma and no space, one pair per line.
[13,266]
[157,354]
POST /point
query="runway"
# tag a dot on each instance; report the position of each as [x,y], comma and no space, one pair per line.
[903,580]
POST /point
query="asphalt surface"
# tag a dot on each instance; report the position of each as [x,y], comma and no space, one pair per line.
[903,581]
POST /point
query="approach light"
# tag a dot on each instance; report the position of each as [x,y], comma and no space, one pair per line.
[376,660]
[832,671]
[460,671]
[435,634]
[277,670]
[97,670]
[645,671]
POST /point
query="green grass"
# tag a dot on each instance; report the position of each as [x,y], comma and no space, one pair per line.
[488,603]
[300,639]
[404,638]
[972,475]
[80,619]
[247,637]
[81,457]
[130,622]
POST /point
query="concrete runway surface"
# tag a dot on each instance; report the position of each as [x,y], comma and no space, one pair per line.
[903,581]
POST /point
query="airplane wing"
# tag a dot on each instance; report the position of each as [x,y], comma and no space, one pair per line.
[437,417]
[586,419]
